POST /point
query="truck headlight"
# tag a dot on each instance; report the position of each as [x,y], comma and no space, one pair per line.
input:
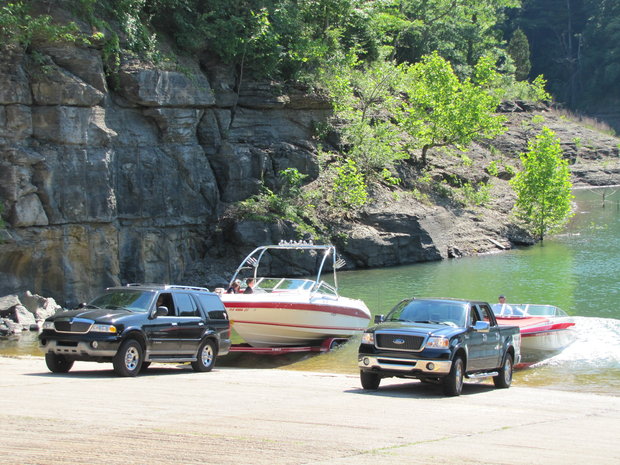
[48,325]
[103,329]
[438,342]
[368,338]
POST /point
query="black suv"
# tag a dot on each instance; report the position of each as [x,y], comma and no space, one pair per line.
[137,324]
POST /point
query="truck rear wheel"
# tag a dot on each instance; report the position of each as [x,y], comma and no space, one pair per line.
[370,381]
[504,379]
[453,383]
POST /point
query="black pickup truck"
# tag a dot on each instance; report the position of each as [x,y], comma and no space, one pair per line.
[134,325]
[440,341]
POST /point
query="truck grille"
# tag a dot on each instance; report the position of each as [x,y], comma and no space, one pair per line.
[398,341]
[73,326]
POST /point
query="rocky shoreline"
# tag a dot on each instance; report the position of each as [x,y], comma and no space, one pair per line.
[24,312]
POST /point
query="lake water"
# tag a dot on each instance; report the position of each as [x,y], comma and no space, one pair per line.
[578,271]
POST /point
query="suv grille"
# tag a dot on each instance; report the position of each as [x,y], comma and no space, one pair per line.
[399,341]
[73,326]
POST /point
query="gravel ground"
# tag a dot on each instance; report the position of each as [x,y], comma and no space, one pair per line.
[171,415]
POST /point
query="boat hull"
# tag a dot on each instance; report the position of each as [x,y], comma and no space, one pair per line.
[542,337]
[264,321]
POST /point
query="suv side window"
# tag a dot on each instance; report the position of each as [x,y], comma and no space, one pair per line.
[213,306]
[186,306]
[165,300]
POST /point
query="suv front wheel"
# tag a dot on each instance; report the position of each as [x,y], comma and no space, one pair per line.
[57,363]
[206,356]
[128,359]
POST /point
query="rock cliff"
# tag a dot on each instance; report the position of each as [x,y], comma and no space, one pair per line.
[105,184]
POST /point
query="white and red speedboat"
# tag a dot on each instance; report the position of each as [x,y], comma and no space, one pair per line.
[546,330]
[283,312]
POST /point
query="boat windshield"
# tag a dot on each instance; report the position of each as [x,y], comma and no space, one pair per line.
[430,311]
[526,310]
[283,284]
[125,299]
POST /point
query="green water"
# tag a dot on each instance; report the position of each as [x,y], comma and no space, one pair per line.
[578,271]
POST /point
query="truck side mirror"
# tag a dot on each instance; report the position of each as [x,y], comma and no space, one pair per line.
[482,326]
[379,319]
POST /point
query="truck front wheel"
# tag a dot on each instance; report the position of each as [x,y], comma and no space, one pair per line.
[504,378]
[370,381]
[453,383]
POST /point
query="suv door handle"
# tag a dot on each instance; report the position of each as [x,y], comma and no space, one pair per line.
[201,324]
[174,324]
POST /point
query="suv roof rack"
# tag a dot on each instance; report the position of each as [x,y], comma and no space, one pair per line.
[168,286]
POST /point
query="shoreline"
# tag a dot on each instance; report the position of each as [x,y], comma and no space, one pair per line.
[171,415]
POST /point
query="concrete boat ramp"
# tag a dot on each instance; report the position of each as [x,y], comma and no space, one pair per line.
[171,415]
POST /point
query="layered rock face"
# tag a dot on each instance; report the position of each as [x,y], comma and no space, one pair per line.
[103,187]
[110,183]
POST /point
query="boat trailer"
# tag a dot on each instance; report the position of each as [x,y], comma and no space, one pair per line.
[327,345]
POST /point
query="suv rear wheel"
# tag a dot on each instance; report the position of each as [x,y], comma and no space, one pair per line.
[57,363]
[128,359]
[206,356]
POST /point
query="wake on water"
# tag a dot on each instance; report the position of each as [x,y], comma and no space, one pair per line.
[597,344]
[590,364]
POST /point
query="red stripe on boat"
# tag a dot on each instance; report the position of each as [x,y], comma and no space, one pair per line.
[265,323]
[298,306]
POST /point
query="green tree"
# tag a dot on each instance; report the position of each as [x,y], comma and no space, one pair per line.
[601,50]
[17,26]
[460,30]
[519,51]
[349,189]
[543,188]
[442,110]
[365,98]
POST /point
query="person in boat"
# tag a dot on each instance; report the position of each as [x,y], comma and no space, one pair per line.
[501,308]
[235,288]
[250,285]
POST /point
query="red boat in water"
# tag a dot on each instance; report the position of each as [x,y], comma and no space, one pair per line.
[546,330]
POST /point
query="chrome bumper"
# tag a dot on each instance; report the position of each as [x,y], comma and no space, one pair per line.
[82,349]
[430,367]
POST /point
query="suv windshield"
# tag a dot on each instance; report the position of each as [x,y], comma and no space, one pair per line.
[429,311]
[136,301]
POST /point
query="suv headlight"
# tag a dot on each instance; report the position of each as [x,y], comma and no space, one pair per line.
[48,325]
[368,338]
[103,329]
[438,342]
